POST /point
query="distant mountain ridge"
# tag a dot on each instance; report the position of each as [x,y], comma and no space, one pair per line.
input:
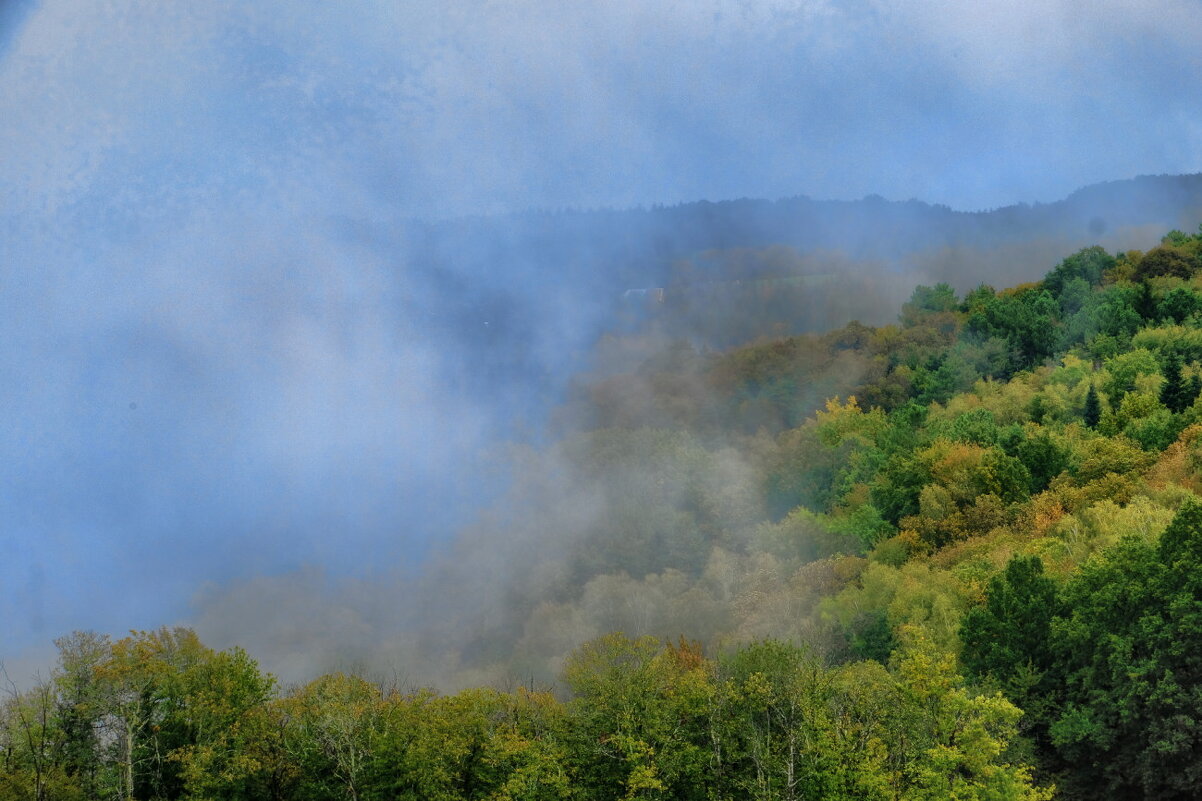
[868,228]
[524,294]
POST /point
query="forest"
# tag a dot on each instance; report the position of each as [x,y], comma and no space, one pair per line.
[958,556]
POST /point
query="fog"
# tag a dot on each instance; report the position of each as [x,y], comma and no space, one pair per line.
[279,282]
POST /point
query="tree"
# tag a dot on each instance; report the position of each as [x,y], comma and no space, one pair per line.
[132,711]
[949,741]
[476,744]
[253,760]
[31,763]
[781,735]
[1166,260]
[1043,458]
[138,713]
[334,724]
[1178,304]
[929,300]
[1088,264]
[1093,408]
[1026,319]
[81,704]
[224,699]
[638,718]
[1006,641]
[1110,668]
[1174,393]
[1145,302]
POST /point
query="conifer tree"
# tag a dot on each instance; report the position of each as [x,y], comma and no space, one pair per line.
[1145,301]
[1174,394]
[1093,408]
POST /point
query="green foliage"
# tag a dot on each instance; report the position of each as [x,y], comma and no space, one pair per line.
[1004,476]
[1174,393]
[803,536]
[638,717]
[1007,639]
[871,636]
[1108,668]
[1182,341]
[1155,431]
[777,727]
[1107,320]
[939,298]
[898,485]
[975,427]
[1124,369]
[1044,457]
[1178,305]
[153,715]
[1026,319]
[1102,456]
[1167,260]
[955,738]
[477,744]
[1087,265]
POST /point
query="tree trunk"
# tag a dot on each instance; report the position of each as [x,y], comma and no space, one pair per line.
[129,762]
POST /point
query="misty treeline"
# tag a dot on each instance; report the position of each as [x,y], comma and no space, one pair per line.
[950,557]
[158,715]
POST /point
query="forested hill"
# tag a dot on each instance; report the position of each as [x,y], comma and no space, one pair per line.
[956,556]
[515,296]
[638,245]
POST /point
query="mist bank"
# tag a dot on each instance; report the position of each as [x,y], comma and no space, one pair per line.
[334,395]
[659,501]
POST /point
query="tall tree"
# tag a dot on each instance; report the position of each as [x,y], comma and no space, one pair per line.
[1175,392]
[81,700]
[638,718]
[1093,408]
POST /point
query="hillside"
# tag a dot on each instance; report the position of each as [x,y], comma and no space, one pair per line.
[955,556]
[549,283]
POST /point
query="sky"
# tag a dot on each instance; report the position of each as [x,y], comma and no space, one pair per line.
[207,375]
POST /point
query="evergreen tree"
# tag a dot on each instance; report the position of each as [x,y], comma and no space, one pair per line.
[1093,408]
[1127,670]
[1008,637]
[1174,394]
[1145,301]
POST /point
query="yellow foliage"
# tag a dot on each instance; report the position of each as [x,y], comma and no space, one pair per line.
[1073,370]
[1103,524]
[1041,513]
[1179,463]
[838,421]
[1008,400]
[954,465]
